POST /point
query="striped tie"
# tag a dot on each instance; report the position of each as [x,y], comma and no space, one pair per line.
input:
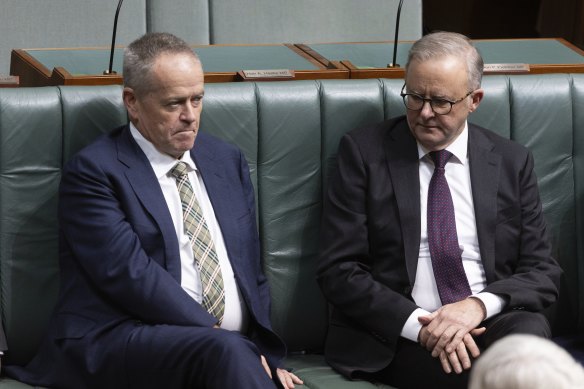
[202,244]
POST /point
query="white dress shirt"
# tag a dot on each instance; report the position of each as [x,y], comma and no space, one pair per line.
[425,292]
[235,316]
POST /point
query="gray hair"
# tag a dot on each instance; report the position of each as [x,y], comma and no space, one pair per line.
[141,54]
[526,362]
[442,44]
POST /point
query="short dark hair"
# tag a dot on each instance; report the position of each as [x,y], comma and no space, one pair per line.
[141,54]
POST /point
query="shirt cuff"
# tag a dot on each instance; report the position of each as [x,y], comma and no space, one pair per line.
[412,327]
[493,304]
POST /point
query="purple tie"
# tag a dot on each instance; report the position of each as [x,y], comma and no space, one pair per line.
[442,238]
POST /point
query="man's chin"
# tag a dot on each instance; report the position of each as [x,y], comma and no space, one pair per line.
[179,148]
[431,140]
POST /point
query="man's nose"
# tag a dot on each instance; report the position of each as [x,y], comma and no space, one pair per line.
[188,113]
[426,110]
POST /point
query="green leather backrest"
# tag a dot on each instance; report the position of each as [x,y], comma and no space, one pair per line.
[289,132]
[30,165]
[546,114]
[542,113]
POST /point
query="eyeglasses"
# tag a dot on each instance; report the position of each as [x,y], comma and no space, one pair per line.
[415,102]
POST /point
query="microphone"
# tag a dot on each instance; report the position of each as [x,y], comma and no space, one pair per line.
[394,64]
[111,61]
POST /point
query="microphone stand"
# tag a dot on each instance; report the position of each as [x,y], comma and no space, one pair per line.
[394,64]
[111,61]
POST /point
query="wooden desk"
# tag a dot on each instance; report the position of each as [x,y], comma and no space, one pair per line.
[370,59]
[224,63]
[221,63]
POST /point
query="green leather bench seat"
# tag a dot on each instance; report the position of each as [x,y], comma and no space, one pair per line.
[289,132]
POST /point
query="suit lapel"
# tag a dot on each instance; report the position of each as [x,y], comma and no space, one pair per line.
[402,159]
[145,184]
[484,176]
[220,193]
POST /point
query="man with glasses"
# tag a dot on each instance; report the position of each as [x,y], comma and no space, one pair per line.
[434,243]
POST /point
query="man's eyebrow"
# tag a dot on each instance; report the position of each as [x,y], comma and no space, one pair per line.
[437,96]
[179,97]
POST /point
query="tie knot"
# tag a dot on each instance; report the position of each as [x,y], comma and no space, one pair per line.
[440,157]
[179,170]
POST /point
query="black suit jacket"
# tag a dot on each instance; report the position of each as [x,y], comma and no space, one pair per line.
[371,237]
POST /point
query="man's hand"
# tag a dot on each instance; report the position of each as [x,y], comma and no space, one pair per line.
[445,328]
[286,378]
[459,359]
[448,333]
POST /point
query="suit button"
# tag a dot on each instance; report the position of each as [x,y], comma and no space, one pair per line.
[407,290]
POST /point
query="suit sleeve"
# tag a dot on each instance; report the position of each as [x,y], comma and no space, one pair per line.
[248,190]
[526,274]
[94,222]
[348,260]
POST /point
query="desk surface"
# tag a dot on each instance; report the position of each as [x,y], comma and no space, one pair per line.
[377,55]
[221,63]
[528,51]
[215,59]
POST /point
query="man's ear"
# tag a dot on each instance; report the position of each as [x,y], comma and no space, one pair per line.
[477,97]
[130,101]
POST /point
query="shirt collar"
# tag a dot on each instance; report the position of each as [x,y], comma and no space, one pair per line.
[161,163]
[458,148]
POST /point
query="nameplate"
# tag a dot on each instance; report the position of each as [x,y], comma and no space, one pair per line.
[270,74]
[506,68]
[9,81]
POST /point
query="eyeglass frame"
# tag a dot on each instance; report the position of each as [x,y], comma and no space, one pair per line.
[424,100]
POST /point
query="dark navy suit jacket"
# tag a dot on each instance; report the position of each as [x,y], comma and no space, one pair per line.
[120,265]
